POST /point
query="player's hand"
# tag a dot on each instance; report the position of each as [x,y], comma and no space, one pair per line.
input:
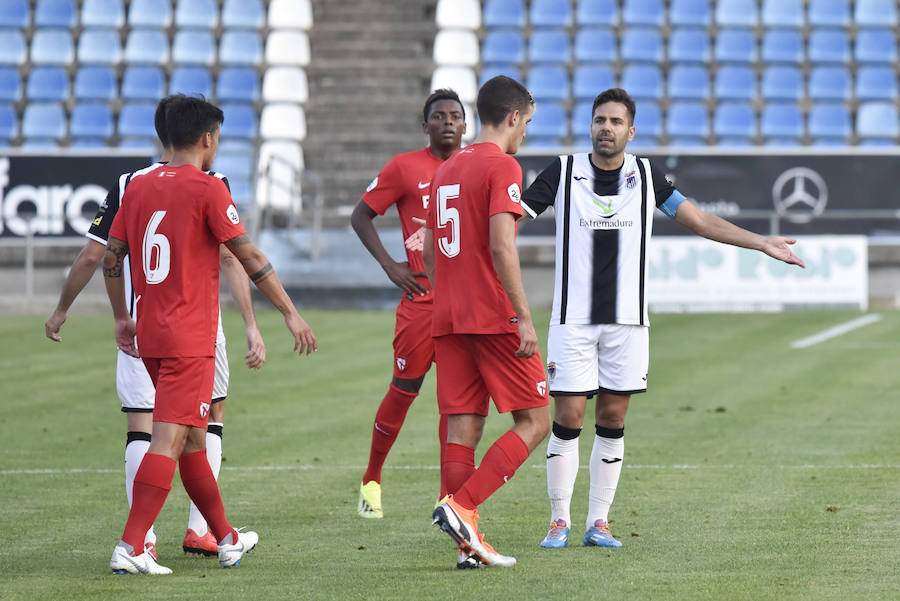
[416,241]
[528,341]
[304,339]
[405,278]
[256,356]
[777,248]
[53,324]
[125,331]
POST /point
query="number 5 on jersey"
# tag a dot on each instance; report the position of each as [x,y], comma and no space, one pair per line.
[448,217]
[154,241]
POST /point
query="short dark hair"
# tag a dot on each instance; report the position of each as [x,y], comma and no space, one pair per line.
[159,118]
[615,95]
[499,96]
[441,94]
[188,118]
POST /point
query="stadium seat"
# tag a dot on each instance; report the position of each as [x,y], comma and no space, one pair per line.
[689,45]
[490,71]
[503,46]
[95,83]
[10,85]
[643,82]
[687,120]
[877,120]
[734,142]
[548,82]
[194,47]
[13,48]
[590,80]
[643,12]
[875,13]
[91,120]
[240,48]
[648,122]
[14,13]
[688,82]
[143,83]
[735,46]
[734,120]
[876,83]
[243,14]
[551,13]
[582,116]
[782,46]
[285,84]
[829,121]
[279,162]
[284,122]
[550,121]
[103,13]
[461,79]
[782,13]
[191,81]
[737,13]
[590,13]
[456,47]
[828,46]
[87,143]
[145,145]
[642,45]
[686,142]
[240,121]
[782,83]
[238,84]
[136,120]
[875,46]
[829,83]
[147,46]
[829,13]
[549,46]
[782,120]
[735,83]
[690,12]
[52,47]
[503,13]
[99,47]
[55,13]
[783,142]
[596,45]
[200,14]
[290,14]
[44,120]
[47,84]
[9,123]
[233,165]
[149,13]
[458,14]
[287,48]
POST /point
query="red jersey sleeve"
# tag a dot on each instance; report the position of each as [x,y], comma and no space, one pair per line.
[385,189]
[117,229]
[221,215]
[506,187]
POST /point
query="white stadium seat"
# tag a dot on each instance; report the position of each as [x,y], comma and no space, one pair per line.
[277,185]
[456,47]
[290,14]
[460,79]
[287,48]
[285,84]
[283,122]
[465,14]
[471,123]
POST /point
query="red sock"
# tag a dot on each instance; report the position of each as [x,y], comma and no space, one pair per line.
[152,484]
[497,466]
[388,421]
[458,466]
[442,438]
[202,488]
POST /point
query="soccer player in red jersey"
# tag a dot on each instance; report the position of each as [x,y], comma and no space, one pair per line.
[484,340]
[171,223]
[405,182]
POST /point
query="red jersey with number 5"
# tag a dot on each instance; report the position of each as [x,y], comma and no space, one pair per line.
[173,220]
[474,184]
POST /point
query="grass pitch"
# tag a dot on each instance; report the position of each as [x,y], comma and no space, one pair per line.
[752,471]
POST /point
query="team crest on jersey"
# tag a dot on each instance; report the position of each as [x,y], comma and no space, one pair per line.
[630,180]
[514,194]
[401,363]
[542,387]
[551,370]
[233,215]
[373,184]
[204,409]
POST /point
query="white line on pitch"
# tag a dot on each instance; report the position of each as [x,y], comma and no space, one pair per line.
[837,330]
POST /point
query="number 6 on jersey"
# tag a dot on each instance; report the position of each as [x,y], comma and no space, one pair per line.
[448,216]
[153,240]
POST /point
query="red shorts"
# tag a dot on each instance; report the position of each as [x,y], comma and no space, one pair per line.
[474,368]
[413,344]
[184,388]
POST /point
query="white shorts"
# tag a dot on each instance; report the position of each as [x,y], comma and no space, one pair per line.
[220,385]
[586,359]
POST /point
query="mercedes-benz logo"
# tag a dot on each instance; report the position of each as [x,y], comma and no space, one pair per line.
[800,195]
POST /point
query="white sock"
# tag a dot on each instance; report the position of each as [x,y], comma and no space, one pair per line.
[134,454]
[604,476]
[214,456]
[562,469]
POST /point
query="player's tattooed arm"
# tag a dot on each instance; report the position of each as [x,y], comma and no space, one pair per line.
[113,259]
[261,273]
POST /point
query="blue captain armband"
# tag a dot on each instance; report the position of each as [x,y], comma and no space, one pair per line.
[670,206]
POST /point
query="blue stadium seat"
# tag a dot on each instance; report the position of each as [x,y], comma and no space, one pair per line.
[548,83]
[91,120]
[550,121]
[829,13]
[48,84]
[734,142]
[87,143]
[782,46]
[829,83]
[642,44]
[44,120]
[643,82]
[876,83]
[194,47]
[689,45]
[240,121]
[686,142]
[551,13]
[197,13]
[782,120]
[829,121]
[136,120]
[828,46]
[782,13]
[875,46]
[99,47]
[9,123]
[503,13]
[148,46]
[590,13]
[734,120]
[503,46]
[737,13]
[735,83]
[237,84]
[590,80]
[143,83]
[688,82]
[240,14]
[877,120]
[875,13]
[52,47]
[491,71]
[14,13]
[103,13]
[648,123]
[10,85]
[13,48]
[687,120]
[735,46]
[690,12]
[240,48]
[644,12]
[95,83]
[55,13]
[191,81]
[233,165]
[549,46]
[145,144]
[782,83]
[149,13]
[596,45]
[582,115]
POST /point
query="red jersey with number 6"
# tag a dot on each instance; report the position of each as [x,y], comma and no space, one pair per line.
[173,220]
[474,184]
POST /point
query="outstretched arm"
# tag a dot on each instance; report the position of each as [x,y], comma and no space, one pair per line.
[239,286]
[506,262]
[80,273]
[717,229]
[116,251]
